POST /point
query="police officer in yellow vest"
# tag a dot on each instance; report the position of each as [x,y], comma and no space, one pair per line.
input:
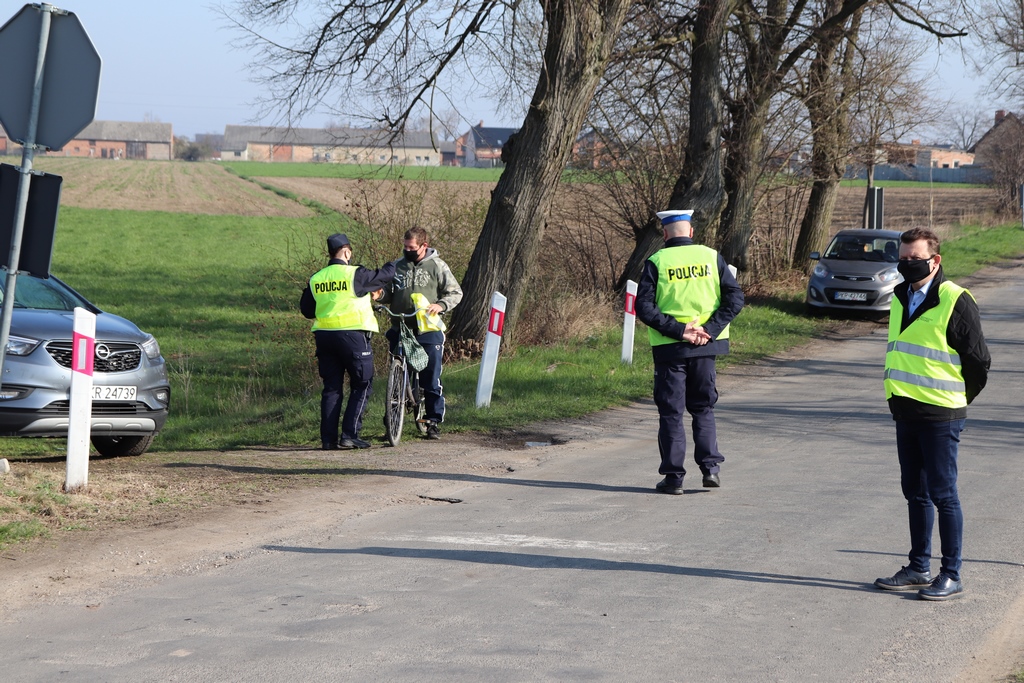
[936,362]
[687,296]
[337,299]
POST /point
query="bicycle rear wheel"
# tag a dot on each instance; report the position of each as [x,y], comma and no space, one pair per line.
[394,402]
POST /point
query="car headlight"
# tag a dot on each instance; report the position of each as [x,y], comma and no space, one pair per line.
[21,346]
[151,347]
[889,275]
[821,270]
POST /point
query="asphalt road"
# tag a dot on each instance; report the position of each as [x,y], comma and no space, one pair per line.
[576,570]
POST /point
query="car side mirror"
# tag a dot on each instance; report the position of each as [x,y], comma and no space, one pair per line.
[814,256]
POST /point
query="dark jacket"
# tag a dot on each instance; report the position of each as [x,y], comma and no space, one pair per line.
[963,334]
[363,282]
[648,312]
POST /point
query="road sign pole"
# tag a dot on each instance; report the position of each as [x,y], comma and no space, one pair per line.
[24,182]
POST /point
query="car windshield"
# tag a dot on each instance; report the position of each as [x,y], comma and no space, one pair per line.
[863,248]
[49,294]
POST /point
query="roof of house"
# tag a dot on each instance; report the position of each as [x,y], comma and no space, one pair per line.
[237,138]
[127,130]
[491,137]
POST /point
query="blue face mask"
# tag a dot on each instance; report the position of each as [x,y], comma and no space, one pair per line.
[915,270]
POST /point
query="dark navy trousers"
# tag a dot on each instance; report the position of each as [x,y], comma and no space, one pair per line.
[688,383]
[928,470]
[341,352]
[430,376]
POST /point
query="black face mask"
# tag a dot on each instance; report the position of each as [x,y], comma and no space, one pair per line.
[915,270]
[412,256]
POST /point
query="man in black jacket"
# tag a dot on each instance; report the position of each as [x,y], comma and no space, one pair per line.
[936,363]
[687,296]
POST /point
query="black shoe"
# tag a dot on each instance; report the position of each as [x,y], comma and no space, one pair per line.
[711,481]
[665,486]
[943,587]
[328,446]
[433,431]
[905,579]
[354,442]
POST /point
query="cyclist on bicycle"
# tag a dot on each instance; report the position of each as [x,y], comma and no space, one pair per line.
[336,297]
[424,283]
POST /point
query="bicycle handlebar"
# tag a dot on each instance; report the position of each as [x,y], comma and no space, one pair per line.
[382,307]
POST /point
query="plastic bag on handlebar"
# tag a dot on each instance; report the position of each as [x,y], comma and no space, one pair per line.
[415,354]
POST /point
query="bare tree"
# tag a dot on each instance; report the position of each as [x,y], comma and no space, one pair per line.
[1000,23]
[827,91]
[963,126]
[580,37]
[891,99]
[396,51]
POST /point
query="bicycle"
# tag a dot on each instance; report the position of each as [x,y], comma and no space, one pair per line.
[404,392]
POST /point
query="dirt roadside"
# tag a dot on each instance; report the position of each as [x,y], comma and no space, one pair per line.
[303,504]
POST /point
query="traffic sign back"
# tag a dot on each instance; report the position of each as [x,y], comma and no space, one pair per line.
[71,77]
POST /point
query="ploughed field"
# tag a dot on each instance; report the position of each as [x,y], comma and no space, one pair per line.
[207,188]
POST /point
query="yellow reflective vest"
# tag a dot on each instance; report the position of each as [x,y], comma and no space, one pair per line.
[688,287]
[337,306]
[919,363]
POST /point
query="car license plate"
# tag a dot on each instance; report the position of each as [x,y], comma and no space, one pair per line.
[113,393]
[851,296]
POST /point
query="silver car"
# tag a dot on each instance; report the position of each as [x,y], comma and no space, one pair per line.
[857,272]
[131,394]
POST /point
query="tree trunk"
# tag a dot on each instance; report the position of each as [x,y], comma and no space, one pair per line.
[580,36]
[746,147]
[828,106]
[700,185]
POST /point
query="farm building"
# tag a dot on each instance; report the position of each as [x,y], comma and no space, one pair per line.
[112,140]
[480,147]
[336,145]
[1005,136]
[927,156]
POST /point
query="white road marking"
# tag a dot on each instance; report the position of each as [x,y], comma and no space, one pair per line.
[519,541]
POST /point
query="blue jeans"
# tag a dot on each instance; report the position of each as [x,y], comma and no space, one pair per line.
[928,453]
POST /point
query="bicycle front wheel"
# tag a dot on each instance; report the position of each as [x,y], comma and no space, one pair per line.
[418,405]
[394,402]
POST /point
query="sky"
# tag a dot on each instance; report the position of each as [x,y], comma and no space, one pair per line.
[172,61]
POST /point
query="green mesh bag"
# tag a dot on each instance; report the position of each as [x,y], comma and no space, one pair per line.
[415,354]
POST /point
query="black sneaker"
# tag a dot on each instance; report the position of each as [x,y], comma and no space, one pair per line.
[905,579]
[354,442]
[433,431]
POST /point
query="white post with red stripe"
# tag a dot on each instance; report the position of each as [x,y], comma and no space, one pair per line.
[629,325]
[80,418]
[492,342]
